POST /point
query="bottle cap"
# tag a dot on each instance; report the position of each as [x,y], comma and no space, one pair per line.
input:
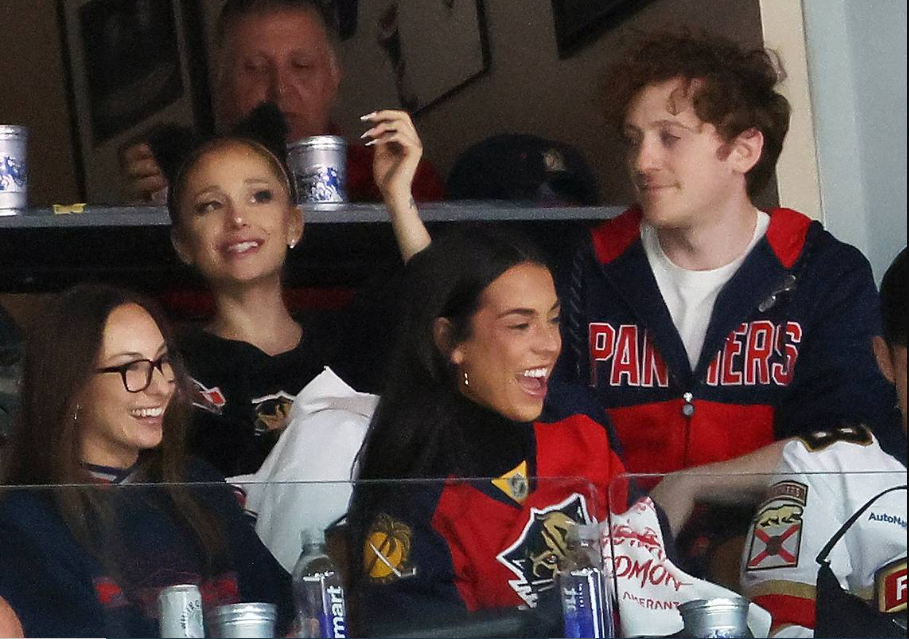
[312,537]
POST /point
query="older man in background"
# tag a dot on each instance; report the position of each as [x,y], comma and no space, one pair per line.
[281,51]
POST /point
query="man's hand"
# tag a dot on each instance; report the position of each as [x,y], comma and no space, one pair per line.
[676,495]
[143,180]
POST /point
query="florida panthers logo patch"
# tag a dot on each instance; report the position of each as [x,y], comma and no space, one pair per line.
[534,557]
[776,536]
[272,412]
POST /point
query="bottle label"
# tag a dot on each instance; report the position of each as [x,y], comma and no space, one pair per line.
[334,612]
[583,604]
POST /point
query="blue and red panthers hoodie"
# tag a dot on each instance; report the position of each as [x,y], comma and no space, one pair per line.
[788,348]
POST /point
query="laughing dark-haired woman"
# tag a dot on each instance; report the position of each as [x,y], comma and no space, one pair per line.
[469,396]
[90,544]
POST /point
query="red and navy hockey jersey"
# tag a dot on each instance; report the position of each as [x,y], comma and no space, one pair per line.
[480,544]
[787,351]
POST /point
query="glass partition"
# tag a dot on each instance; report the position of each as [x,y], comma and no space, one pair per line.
[478,557]
[675,539]
[472,557]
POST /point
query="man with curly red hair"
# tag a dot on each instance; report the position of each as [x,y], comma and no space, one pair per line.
[710,328]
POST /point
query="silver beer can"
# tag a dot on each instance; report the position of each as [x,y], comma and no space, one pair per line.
[716,618]
[180,611]
[13,169]
[319,167]
[243,620]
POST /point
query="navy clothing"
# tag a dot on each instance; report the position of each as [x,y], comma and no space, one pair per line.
[242,396]
[59,590]
[428,549]
[788,347]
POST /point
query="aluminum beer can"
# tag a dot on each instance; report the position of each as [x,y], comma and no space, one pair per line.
[13,168]
[243,620]
[709,618]
[586,604]
[180,611]
[319,167]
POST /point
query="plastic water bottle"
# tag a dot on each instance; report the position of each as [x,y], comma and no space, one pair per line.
[319,591]
[586,604]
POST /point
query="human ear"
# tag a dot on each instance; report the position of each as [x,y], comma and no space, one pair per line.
[295,226]
[746,150]
[443,338]
[884,359]
[180,246]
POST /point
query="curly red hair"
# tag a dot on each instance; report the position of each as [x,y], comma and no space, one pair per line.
[735,89]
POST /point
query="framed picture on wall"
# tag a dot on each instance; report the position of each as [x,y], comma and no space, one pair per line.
[580,22]
[435,47]
[133,66]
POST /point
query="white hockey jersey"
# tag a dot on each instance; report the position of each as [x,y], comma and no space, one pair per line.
[821,481]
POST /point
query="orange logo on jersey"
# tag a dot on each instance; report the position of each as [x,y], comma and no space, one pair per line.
[386,556]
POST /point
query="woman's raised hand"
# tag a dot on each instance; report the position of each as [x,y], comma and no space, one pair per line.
[398,154]
[398,151]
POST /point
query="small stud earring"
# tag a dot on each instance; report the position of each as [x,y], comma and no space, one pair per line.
[76,413]
[292,244]
[466,379]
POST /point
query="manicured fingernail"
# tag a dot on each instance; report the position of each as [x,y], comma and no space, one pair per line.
[372,143]
[364,136]
[364,118]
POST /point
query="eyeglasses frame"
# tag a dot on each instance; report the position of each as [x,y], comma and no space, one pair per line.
[157,364]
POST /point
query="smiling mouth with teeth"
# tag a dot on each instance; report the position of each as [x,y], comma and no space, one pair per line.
[243,247]
[146,413]
[535,382]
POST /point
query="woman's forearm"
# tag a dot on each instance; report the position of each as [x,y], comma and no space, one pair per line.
[410,232]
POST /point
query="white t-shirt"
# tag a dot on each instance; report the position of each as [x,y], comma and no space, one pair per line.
[691,295]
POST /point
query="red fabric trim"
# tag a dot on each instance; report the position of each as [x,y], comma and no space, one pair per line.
[788,610]
[657,438]
[613,237]
[787,234]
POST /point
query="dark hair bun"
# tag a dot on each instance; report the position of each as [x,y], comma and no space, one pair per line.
[171,145]
[266,125]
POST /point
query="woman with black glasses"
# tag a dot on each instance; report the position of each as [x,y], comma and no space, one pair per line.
[90,544]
